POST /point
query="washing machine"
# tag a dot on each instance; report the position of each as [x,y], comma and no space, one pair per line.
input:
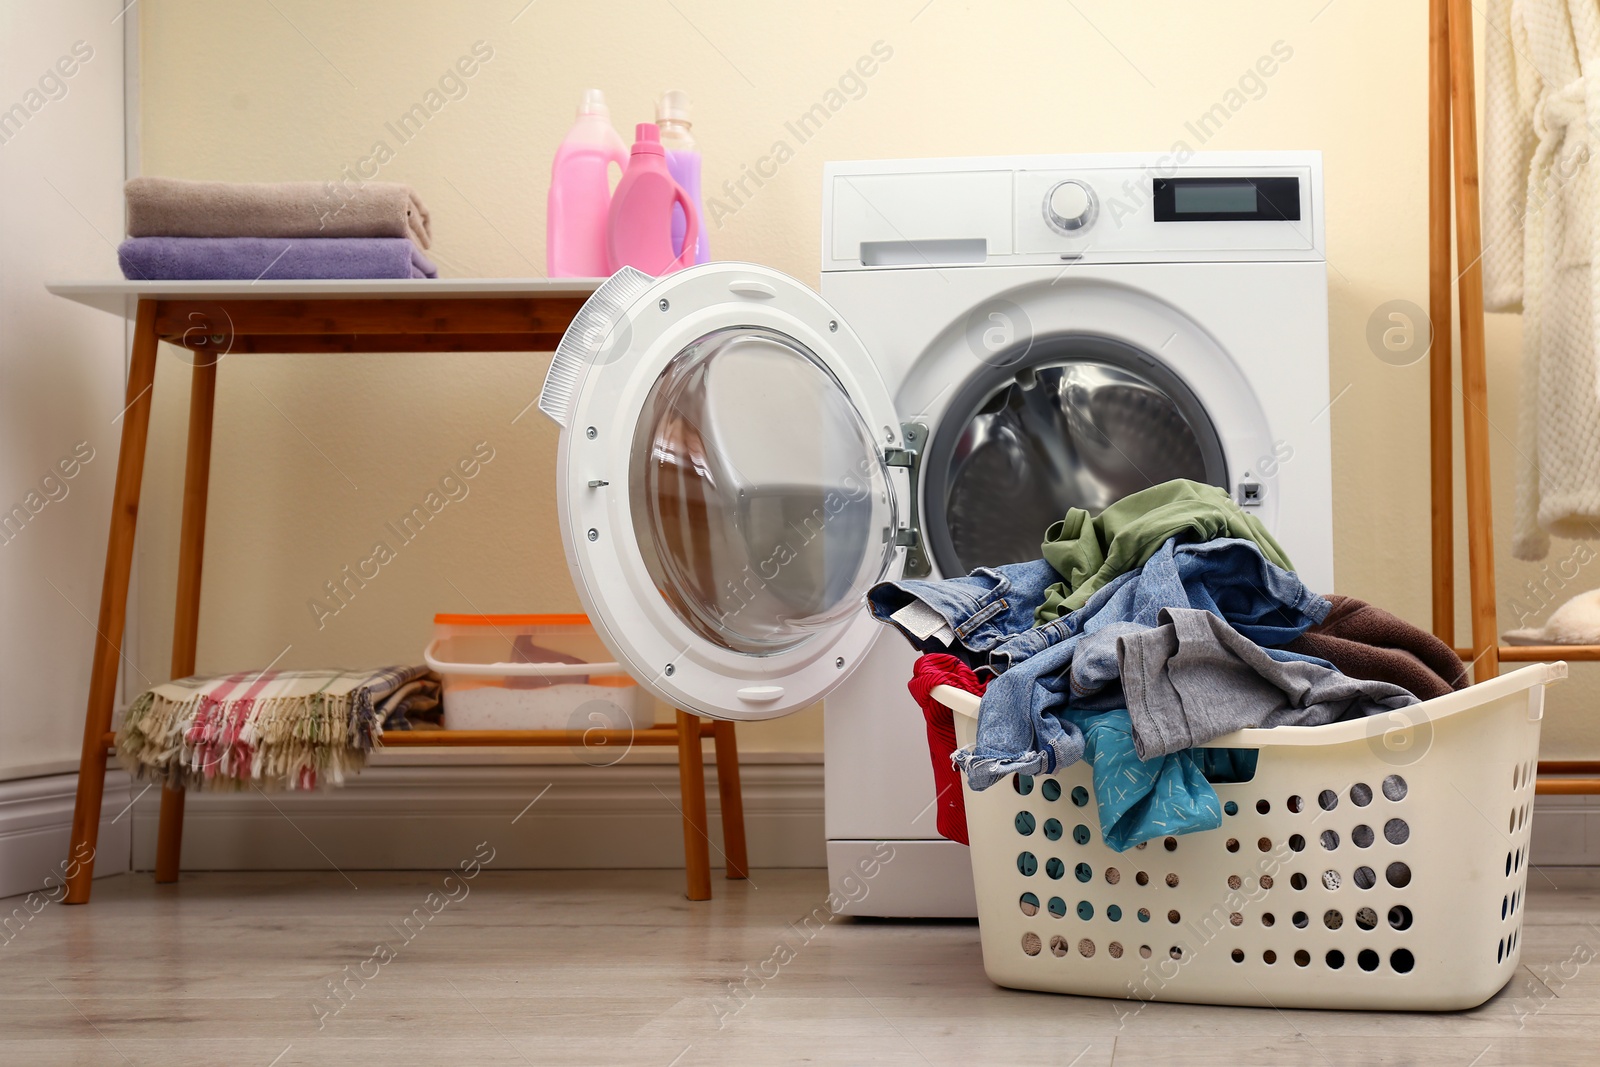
[1059,332]
[996,340]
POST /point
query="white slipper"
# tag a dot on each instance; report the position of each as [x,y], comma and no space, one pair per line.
[1577,622]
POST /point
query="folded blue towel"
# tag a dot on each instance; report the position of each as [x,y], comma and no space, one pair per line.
[263,258]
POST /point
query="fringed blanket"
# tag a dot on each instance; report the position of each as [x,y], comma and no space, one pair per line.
[272,729]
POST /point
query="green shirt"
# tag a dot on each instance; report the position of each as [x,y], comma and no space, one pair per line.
[1090,551]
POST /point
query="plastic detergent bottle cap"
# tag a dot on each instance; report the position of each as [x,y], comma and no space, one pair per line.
[593,103]
[673,107]
[647,139]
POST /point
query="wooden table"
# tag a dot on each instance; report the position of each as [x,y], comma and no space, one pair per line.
[213,319]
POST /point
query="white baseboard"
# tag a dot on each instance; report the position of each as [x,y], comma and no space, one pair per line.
[1566,831]
[36,823]
[409,816]
[428,816]
[412,815]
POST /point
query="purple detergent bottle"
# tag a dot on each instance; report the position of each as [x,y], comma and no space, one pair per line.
[683,162]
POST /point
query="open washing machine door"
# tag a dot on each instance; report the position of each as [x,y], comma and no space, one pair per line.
[729,485]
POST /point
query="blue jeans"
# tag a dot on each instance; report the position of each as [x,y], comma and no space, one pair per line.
[982,610]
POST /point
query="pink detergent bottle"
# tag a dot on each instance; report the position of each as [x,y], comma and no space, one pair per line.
[580,193]
[639,233]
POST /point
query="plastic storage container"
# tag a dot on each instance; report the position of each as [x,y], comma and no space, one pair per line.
[1374,864]
[531,672]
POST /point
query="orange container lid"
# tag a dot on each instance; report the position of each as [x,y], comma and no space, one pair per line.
[605,681]
[447,619]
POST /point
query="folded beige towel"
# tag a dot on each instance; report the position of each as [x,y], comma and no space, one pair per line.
[173,207]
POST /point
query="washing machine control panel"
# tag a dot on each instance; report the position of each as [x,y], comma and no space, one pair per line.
[1070,207]
[1116,213]
[1116,208]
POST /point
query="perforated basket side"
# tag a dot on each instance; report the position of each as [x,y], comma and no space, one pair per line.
[1361,874]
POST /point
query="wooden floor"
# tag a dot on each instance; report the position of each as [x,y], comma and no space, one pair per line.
[606,967]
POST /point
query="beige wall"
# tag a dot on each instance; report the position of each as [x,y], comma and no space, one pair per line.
[61,162]
[315,453]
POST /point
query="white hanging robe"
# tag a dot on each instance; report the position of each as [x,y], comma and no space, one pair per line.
[1541,217]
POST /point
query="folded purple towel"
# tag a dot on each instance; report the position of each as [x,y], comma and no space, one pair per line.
[149,259]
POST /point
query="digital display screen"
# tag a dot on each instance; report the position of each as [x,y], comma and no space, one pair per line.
[1229,198]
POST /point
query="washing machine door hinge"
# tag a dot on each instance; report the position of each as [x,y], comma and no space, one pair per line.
[909,536]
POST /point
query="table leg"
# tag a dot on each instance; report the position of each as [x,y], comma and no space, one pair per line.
[113,606]
[732,797]
[191,555]
[692,790]
[169,835]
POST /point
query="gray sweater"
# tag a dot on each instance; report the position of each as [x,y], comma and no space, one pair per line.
[1194,678]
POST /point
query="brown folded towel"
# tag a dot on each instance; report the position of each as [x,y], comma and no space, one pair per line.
[1369,643]
[173,207]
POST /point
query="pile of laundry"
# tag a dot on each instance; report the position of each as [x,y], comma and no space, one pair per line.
[254,231]
[271,729]
[1167,621]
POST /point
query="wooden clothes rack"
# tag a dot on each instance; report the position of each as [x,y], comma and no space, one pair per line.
[1453,138]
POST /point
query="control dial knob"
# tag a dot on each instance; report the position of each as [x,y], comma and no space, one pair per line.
[1070,207]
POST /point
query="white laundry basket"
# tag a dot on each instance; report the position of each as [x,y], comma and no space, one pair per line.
[1374,864]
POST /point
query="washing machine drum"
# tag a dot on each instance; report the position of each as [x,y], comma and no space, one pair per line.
[1076,421]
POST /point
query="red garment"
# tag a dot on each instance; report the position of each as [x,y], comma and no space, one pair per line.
[937,668]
